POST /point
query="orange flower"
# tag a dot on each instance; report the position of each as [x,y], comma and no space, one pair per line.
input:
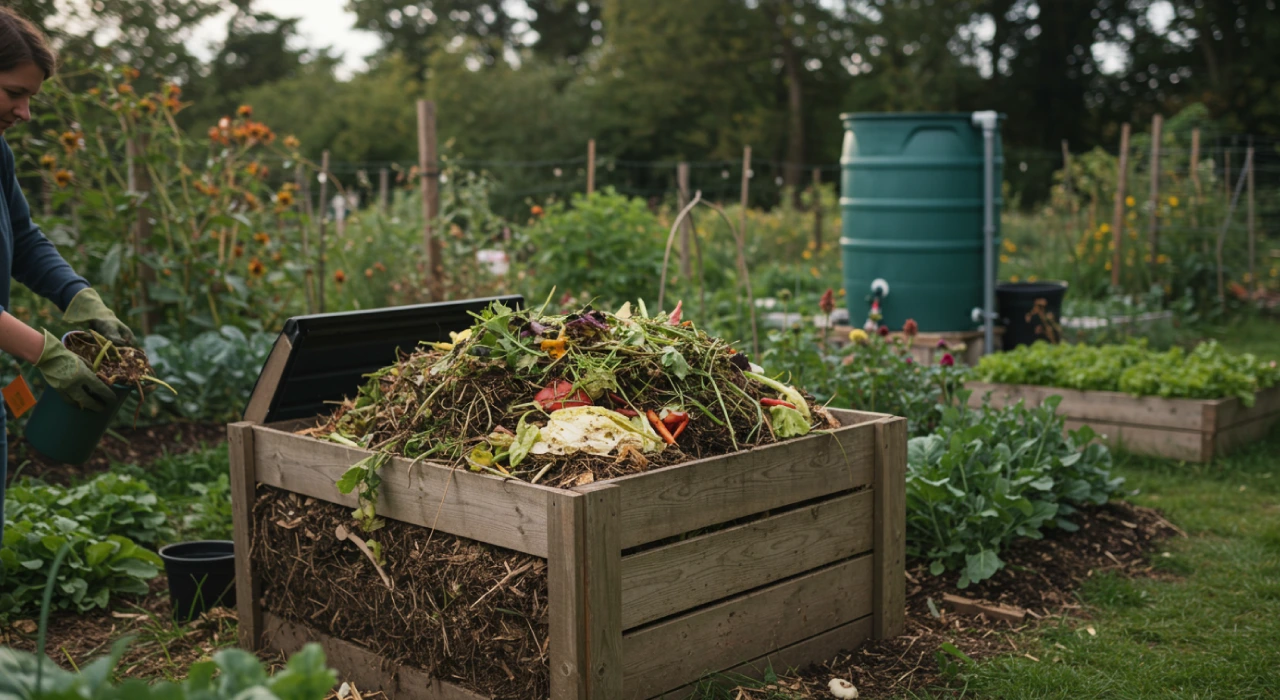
[147,105]
[95,91]
[48,160]
[284,197]
[379,267]
[368,272]
[172,90]
[130,73]
[72,140]
[339,277]
[237,251]
[256,268]
[252,168]
[536,210]
[262,238]
[124,89]
[217,135]
[251,200]
[291,142]
[62,177]
[277,256]
[245,111]
[554,347]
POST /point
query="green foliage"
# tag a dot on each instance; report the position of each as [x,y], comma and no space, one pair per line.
[195,490]
[108,504]
[606,247]
[212,373]
[1207,372]
[231,674]
[987,477]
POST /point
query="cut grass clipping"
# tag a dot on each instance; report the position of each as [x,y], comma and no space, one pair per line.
[114,364]
[566,400]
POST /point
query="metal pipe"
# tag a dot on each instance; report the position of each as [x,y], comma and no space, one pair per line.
[987,120]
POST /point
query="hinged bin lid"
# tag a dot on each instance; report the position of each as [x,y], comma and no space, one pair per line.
[325,357]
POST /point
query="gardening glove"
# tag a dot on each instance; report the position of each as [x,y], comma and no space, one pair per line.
[72,377]
[87,307]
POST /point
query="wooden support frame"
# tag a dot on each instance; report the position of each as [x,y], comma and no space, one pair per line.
[779,556]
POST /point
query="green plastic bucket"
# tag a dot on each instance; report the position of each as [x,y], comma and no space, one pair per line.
[911,200]
[66,433]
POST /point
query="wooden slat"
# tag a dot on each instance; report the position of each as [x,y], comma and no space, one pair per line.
[1230,439]
[268,381]
[667,580]
[847,417]
[1107,406]
[815,649]
[504,512]
[368,671]
[566,595]
[243,495]
[673,500]
[1186,445]
[671,654]
[602,516]
[1231,412]
[890,594]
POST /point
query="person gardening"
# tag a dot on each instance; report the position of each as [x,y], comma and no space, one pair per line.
[26,61]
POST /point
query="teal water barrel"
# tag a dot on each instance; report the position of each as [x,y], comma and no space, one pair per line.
[911,192]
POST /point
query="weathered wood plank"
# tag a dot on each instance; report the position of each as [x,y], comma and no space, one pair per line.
[268,381]
[815,649]
[1241,434]
[504,512]
[1105,406]
[674,653]
[673,500]
[667,580]
[1186,445]
[602,515]
[243,495]
[848,417]
[890,595]
[1231,412]
[365,669]
[567,595]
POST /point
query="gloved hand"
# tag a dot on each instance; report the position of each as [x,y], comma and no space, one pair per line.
[72,377]
[88,307]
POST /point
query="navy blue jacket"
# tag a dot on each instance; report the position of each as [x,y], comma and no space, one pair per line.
[25,254]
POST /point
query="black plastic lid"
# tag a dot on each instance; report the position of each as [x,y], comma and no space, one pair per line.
[324,357]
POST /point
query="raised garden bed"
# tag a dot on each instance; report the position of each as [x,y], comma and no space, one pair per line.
[1193,430]
[781,555]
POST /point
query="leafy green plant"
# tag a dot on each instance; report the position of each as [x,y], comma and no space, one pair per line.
[212,373]
[108,504]
[1207,372]
[194,488]
[987,477]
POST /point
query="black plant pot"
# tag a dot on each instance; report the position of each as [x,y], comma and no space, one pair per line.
[201,576]
[1014,303]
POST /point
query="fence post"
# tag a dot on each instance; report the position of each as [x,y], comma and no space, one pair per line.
[1222,233]
[324,210]
[591,166]
[427,170]
[1153,224]
[1248,159]
[384,189]
[1195,176]
[686,226]
[302,183]
[817,210]
[140,184]
[1117,219]
[742,245]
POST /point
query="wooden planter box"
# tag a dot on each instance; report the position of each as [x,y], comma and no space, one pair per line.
[807,558]
[1193,430]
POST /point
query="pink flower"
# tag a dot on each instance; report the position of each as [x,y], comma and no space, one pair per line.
[910,328]
[947,360]
[883,331]
[908,359]
[828,301]
[942,343]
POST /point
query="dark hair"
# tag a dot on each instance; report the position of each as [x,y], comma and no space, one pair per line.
[22,42]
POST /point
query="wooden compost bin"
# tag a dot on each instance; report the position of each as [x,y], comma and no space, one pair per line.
[1193,430]
[780,555]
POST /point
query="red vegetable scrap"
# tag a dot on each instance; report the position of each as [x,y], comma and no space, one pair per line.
[776,402]
[560,394]
[661,427]
[675,315]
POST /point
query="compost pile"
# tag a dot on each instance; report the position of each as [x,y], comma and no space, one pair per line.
[569,399]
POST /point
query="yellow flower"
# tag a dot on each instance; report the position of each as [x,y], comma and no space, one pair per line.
[1129,201]
[1032,278]
[48,160]
[1004,259]
[814,271]
[1010,246]
[1173,202]
[62,177]
[291,142]
[1014,278]
[858,336]
[1133,216]
[1107,266]
[807,254]
[1105,228]
[1162,259]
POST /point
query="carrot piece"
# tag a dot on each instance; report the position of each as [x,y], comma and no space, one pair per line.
[776,402]
[680,429]
[659,426]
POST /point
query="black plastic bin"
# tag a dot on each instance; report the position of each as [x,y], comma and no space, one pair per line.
[1016,303]
[201,576]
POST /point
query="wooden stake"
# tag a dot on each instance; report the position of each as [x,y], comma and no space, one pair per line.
[1222,233]
[1153,221]
[1117,219]
[1195,175]
[742,244]
[140,182]
[1248,159]
[302,183]
[384,190]
[591,166]
[427,169]
[817,210]
[324,210]
[686,227]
